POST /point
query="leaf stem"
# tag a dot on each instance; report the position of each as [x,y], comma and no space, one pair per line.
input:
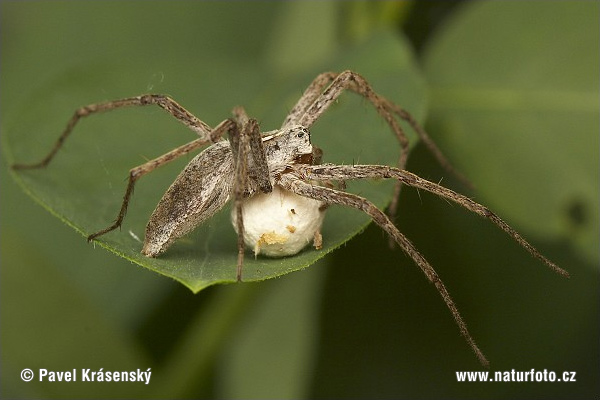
[193,357]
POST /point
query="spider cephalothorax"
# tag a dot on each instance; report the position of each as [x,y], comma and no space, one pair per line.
[275,179]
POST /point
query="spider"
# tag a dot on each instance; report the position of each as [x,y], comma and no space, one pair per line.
[276,181]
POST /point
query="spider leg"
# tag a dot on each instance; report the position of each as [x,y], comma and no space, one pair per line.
[297,185]
[246,143]
[204,131]
[346,172]
[240,115]
[258,168]
[386,109]
[141,170]
[308,97]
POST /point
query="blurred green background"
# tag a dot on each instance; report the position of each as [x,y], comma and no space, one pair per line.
[511,94]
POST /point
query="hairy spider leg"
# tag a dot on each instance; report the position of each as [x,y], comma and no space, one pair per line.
[259,168]
[164,102]
[347,172]
[141,170]
[245,143]
[311,93]
[297,185]
[314,102]
[297,181]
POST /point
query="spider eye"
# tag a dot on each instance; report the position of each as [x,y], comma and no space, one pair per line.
[301,133]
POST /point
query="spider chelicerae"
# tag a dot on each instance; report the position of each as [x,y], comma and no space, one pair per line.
[277,182]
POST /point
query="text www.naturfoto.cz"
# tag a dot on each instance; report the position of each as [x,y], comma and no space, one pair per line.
[515,376]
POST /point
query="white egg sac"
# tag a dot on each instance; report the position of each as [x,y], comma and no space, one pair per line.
[280,223]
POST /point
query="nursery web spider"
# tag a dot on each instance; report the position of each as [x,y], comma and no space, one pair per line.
[253,167]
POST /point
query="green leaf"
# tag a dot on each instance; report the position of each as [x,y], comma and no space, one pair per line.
[85,183]
[514,101]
